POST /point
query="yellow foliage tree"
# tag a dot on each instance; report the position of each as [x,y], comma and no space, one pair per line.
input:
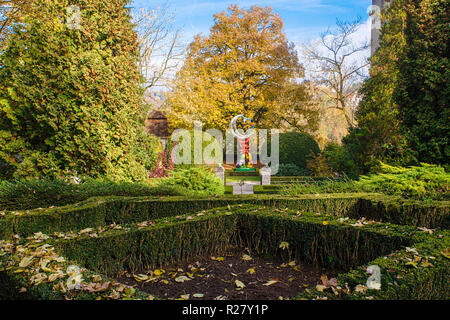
[240,68]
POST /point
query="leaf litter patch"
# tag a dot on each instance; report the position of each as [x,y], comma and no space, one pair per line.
[235,275]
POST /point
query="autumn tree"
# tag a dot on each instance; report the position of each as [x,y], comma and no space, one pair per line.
[239,68]
[296,107]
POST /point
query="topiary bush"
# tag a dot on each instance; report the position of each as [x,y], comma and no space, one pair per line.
[297,148]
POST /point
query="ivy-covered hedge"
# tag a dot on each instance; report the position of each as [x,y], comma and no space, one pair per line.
[103,211]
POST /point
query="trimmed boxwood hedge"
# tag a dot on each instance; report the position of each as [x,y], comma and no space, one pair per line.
[418,273]
[431,214]
[315,239]
[179,238]
[323,240]
[106,210]
[417,268]
[168,240]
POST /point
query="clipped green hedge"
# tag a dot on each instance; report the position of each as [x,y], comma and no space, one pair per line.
[430,214]
[324,240]
[107,210]
[169,240]
[414,261]
[320,240]
[34,193]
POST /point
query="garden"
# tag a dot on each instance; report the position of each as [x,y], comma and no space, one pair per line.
[121,241]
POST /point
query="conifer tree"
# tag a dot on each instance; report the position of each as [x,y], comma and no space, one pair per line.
[70,98]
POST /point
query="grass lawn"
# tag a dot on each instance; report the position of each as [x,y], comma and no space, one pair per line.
[240,178]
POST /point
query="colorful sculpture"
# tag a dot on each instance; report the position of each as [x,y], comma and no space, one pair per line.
[244,164]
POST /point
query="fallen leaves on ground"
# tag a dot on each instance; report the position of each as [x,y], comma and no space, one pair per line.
[430,231]
[270,282]
[326,283]
[182,279]
[218,258]
[251,270]
[43,265]
[446,253]
[158,272]
[239,284]
[284,245]
[96,287]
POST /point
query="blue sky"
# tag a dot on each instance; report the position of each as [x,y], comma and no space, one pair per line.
[304,19]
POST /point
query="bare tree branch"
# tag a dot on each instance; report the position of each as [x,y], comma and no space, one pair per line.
[331,66]
[160,45]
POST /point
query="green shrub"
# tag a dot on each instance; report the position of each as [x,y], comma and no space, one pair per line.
[73,102]
[340,160]
[424,182]
[165,241]
[194,181]
[421,271]
[319,167]
[297,148]
[34,193]
[103,211]
[311,240]
[413,261]
[324,186]
[290,170]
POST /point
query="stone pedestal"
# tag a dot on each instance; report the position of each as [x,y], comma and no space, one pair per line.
[220,173]
[265,176]
[243,189]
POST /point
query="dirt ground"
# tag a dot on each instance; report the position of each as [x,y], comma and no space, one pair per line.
[234,276]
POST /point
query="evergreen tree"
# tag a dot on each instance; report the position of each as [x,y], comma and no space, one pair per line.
[403,117]
[70,99]
[423,91]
